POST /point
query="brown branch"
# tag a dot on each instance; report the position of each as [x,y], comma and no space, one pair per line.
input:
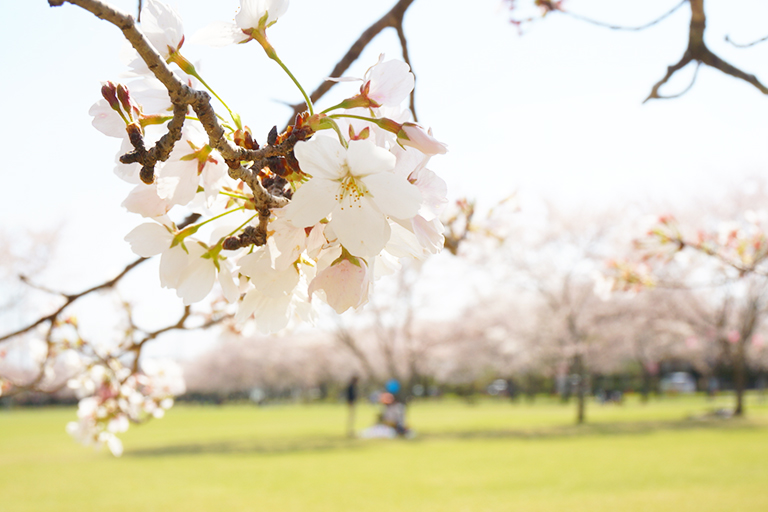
[72,298]
[180,94]
[69,299]
[161,150]
[671,70]
[697,51]
[404,45]
[394,19]
[136,348]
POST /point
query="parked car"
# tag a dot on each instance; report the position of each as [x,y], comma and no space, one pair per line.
[678,382]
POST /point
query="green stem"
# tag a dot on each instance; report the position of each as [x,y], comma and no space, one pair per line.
[189,69]
[335,127]
[241,226]
[234,116]
[382,122]
[352,116]
[272,55]
[220,216]
[339,105]
[191,230]
[234,196]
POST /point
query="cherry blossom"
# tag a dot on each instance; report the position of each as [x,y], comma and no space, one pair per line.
[254,18]
[111,396]
[349,198]
[414,135]
[345,284]
[163,27]
[356,188]
[384,84]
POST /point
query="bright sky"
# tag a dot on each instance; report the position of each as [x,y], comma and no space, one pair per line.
[557,111]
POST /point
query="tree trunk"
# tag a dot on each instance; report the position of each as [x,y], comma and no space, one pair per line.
[351,421]
[581,385]
[739,377]
[646,389]
[530,388]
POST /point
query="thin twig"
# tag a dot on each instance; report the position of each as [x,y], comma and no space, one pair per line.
[72,298]
[393,18]
[406,58]
[621,27]
[747,45]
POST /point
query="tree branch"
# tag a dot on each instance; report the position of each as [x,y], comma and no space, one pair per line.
[620,27]
[394,19]
[747,45]
[404,45]
[72,298]
[697,51]
[181,96]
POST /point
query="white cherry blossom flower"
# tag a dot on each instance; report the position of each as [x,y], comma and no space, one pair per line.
[172,262]
[107,120]
[411,163]
[345,284]
[254,17]
[197,278]
[356,188]
[389,83]
[273,294]
[411,134]
[287,242]
[145,200]
[191,162]
[149,239]
[163,27]
[385,84]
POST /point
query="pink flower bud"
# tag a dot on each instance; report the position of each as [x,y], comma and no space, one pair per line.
[109,92]
[345,284]
[414,135]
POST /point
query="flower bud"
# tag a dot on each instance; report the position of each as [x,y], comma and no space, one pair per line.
[109,92]
[414,135]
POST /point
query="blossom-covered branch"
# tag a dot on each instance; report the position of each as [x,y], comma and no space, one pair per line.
[743,248]
[320,211]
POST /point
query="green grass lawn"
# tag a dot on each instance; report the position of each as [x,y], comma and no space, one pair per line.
[491,456]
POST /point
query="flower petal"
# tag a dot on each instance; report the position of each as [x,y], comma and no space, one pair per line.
[365,158]
[393,194]
[361,228]
[219,34]
[149,239]
[322,157]
[312,202]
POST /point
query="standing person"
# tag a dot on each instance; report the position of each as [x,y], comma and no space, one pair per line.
[351,396]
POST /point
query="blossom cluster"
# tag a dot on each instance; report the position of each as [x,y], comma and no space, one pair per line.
[113,395]
[316,214]
[356,193]
[741,248]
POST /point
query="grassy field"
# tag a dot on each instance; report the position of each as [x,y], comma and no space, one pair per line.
[491,456]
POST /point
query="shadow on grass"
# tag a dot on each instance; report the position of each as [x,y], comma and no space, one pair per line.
[245,446]
[324,444]
[604,429]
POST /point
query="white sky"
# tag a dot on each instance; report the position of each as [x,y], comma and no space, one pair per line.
[557,111]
